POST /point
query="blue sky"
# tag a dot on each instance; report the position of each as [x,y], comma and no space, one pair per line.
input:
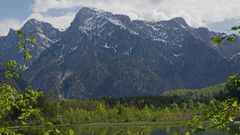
[217,15]
[15,9]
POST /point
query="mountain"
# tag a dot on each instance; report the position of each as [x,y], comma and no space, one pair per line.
[44,32]
[109,55]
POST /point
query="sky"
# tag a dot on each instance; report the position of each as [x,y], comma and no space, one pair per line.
[217,15]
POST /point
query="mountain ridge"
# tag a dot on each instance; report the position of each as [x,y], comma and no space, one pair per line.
[109,55]
[44,32]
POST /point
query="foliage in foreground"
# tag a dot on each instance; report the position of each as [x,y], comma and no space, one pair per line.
[19,107]
[221,115]
[215,118]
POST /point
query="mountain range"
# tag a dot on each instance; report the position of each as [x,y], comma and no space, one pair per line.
[102,54]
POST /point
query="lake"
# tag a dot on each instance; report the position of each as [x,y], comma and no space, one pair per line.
[142,130]
[133,130]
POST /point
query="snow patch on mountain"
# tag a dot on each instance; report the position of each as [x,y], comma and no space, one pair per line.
[177,55]
[106,46]
[93,21]
[235,55]
[74,48]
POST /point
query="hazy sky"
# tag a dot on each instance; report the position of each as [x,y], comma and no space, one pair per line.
[217,15]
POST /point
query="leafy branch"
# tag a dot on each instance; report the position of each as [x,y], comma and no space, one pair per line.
[229,38]
[220,115]
[21,107]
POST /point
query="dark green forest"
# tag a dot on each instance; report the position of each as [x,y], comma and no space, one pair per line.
[175,106]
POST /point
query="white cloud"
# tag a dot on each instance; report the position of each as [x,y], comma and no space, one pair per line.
[196,12]
[62,21]
[7,23]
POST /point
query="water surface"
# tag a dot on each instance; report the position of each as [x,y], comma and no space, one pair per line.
[122,129]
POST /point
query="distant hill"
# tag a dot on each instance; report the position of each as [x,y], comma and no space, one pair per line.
[203,94]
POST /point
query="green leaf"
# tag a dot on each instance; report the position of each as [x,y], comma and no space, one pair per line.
[20,68]
[200,128]
[11,64]
[217,40]
[231,39]
[235,28]
[32,40]
[8,74]
[235,104]
[16,75]
[26,55]
[19,45]
[20,33]
[57,131]
[71,132]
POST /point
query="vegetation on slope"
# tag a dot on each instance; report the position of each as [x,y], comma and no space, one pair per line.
[176,106]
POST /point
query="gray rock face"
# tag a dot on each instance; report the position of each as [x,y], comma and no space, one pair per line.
[107,55]
[44,32]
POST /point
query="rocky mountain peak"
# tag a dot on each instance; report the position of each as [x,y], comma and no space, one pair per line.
[90,20]
[34,24]
[11,32]
[85,15]
[35,27]
[180,21]
[44,32]
[123,18]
